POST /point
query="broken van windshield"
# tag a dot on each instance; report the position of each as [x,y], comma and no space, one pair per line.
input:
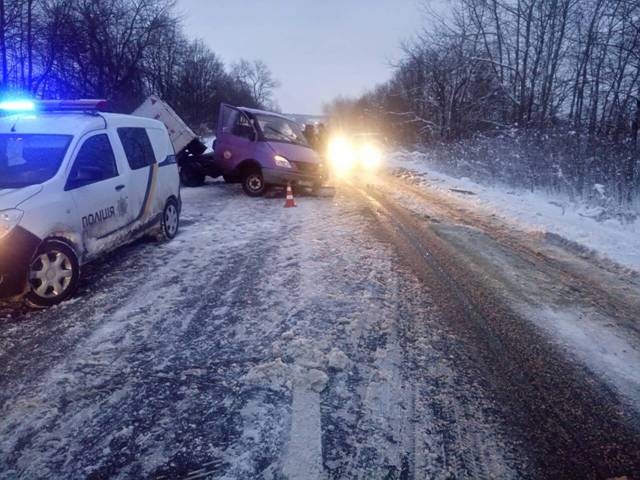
[278,129]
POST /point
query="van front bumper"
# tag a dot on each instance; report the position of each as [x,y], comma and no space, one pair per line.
[273,176]
[17,250]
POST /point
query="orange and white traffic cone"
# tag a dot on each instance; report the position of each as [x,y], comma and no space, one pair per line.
[290,201]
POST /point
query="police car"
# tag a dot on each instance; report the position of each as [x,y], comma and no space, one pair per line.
[75,183]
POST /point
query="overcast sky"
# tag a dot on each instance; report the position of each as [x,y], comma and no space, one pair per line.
[318,49]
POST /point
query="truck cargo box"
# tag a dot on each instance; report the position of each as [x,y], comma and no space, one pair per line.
[184,140]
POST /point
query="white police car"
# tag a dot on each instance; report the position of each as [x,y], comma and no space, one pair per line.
[74,184]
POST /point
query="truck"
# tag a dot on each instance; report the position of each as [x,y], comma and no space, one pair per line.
[194,164]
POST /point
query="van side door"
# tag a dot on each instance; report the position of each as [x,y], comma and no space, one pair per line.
[143,175]
[98,189]
[236,138]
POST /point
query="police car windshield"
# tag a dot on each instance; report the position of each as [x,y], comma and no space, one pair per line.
[278,129]
[30,159]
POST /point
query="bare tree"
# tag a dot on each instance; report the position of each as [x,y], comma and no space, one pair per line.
[257,77]
[542,73]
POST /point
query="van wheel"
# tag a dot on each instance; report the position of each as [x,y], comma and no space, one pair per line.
[170,220]
[53,274]
[191,177]
[253,183]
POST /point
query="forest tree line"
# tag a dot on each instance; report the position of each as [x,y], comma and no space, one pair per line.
[556,75]
[121,50]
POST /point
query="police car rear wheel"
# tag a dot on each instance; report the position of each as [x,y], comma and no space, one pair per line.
[53,274]
[170,219]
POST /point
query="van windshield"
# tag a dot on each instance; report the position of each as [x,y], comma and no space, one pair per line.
[30,159]
[278,129]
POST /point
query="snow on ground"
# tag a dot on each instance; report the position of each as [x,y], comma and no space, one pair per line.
[613,238]
[208,141]
[609,347]
[610,352]
[261,342]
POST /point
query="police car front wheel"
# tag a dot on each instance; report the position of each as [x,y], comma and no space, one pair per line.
[53,274]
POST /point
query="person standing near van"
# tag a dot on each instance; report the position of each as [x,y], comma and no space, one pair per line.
[311,135]
[322,139]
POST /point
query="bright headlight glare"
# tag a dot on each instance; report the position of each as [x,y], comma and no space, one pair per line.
[341,154]
[371,156]
[281,161]
[9,219]
[17,105]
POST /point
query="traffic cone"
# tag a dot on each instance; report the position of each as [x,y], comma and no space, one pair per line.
[290,201]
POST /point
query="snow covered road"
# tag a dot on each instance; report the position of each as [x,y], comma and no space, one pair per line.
[311,343]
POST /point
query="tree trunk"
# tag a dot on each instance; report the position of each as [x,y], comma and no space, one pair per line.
[635,127]
[633,157]
[3,43]
[29,81]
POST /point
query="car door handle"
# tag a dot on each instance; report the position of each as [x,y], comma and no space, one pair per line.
[119,187]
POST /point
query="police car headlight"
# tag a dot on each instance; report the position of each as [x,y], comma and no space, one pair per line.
[9,219]
[282,162]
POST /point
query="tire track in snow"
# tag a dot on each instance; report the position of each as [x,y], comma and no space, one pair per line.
[140,319]
[571,425]
[273,337]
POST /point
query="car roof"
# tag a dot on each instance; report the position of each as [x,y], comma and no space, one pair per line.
[76,123]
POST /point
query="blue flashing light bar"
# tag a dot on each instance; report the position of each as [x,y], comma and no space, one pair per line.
[89,105]
[17,106]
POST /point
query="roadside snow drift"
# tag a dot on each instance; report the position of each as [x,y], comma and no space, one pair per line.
[592,229]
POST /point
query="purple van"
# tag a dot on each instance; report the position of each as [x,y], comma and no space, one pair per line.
[260,149]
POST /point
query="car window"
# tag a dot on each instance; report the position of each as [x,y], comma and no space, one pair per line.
[94,163]
[27,159]
[278,129]
[228,118]
[137,147]
[243,128]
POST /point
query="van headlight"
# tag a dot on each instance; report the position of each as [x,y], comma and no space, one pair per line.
[9,219]
[281,161]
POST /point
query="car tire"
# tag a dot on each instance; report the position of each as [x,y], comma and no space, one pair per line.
[170,223]
[253,183]
[191,177]
[53,274]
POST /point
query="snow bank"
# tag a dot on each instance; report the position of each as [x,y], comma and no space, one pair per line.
[615,236]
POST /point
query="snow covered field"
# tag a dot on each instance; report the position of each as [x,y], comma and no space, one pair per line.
[590,228]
